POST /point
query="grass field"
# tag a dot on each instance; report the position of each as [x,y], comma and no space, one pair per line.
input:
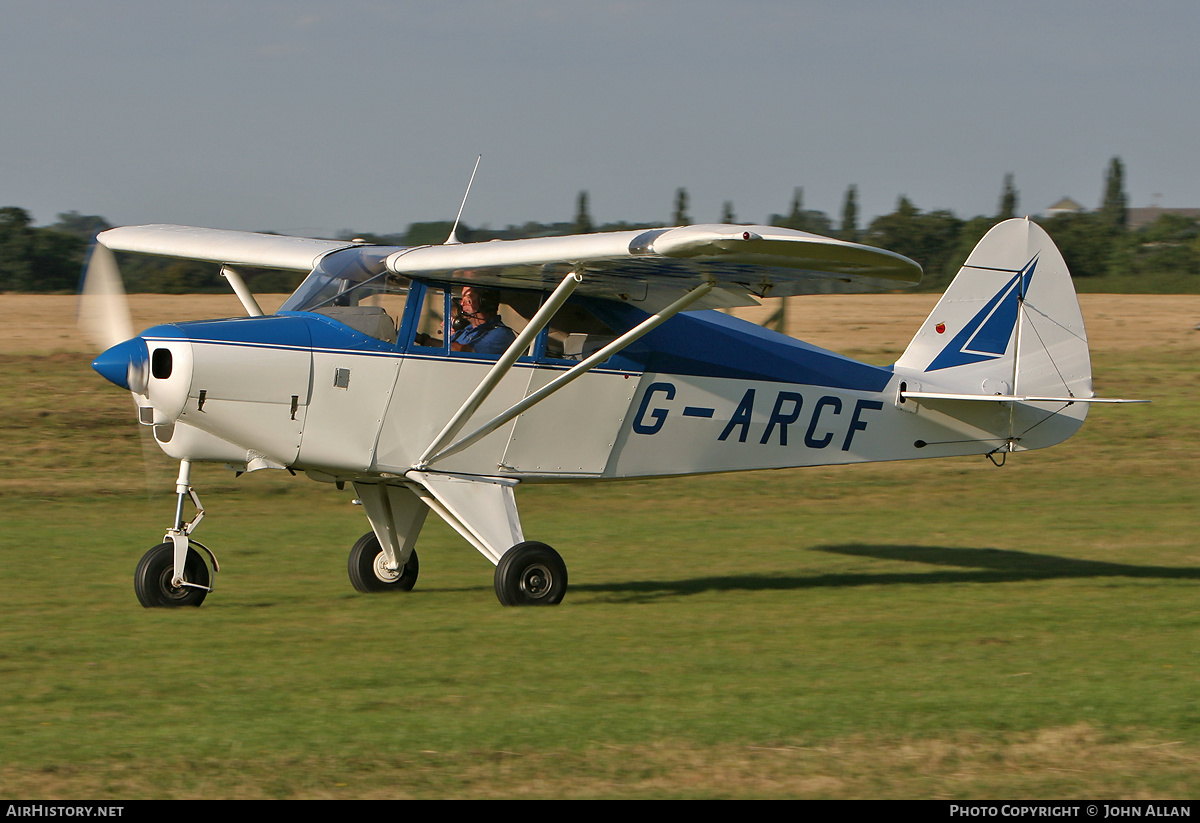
[933,629]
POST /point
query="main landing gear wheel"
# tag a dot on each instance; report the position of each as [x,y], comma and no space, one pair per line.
[152,580]
[531,574]
[369,572]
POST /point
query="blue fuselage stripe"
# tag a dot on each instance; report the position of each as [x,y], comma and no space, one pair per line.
[697,344]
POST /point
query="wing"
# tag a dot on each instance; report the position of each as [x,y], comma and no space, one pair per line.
[244,248]
[650,268]
[653,267]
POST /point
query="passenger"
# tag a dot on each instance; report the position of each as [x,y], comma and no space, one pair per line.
[486,332]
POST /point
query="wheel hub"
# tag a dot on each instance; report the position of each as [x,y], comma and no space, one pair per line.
[166,583]
[385,574]
[536,581]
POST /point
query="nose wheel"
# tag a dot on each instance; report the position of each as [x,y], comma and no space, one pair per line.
[531,574]
[153,579]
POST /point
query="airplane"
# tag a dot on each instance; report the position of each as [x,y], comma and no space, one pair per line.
[613,364]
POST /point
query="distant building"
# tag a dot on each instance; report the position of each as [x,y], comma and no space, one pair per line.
[1146,216]
[1137,218]
[1064,206]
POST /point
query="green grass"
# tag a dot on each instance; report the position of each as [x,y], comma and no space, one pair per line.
[923,629]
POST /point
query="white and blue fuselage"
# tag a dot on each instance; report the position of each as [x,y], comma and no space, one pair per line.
[592,386]
[705,392]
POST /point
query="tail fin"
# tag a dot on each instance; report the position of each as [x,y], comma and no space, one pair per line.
[1009,325]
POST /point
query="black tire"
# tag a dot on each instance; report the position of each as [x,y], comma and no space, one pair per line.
[531,574]
[367,572]
[152,579]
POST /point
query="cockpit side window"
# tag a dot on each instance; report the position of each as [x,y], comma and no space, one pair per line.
[471,319]
[575,334]
[431,319]
[484,322]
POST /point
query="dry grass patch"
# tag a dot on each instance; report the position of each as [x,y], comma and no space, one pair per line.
[1076,762]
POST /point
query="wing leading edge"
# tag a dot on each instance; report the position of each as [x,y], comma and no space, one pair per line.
[272,251]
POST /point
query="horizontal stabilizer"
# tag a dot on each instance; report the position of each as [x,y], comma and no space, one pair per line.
[1013,398]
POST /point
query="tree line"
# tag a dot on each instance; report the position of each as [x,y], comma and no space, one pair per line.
[1161,256]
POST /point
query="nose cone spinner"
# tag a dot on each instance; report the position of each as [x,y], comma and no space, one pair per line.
[125,365]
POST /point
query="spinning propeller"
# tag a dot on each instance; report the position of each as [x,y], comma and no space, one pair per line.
[105,318]
[103,307]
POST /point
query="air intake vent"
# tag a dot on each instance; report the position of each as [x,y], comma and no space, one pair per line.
[161,363]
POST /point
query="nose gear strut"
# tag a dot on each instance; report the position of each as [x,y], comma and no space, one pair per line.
[185,580]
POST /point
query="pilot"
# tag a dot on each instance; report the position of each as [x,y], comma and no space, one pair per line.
[485,332]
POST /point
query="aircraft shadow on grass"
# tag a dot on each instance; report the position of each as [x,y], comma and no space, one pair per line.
[974,566]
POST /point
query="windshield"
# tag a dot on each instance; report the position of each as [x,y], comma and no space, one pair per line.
[345,278]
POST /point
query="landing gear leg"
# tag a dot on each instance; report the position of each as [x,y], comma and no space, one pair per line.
[484,511]
[173,573]
[385,558]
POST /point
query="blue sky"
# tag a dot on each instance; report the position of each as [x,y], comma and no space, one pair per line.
[311,117]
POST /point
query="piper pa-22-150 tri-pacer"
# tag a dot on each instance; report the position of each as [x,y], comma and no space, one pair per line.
[595,357]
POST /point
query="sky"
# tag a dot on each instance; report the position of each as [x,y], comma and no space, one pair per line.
[311,118]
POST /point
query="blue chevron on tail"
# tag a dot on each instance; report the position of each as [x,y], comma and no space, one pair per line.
[987,335]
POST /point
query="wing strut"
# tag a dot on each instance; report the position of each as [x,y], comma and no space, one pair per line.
[629,337]
[502,366]
[241,290]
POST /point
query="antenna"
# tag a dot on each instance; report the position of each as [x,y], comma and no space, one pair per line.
[453,240]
